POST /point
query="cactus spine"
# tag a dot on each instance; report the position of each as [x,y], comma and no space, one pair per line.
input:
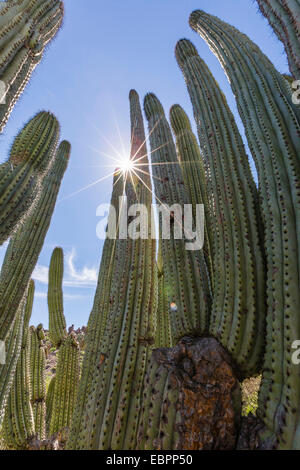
[24,248]
[271,121]
[21,176]
[25,29]
[68,360]
[38,380]
[284,17]
[238,309]
[185,272]
[110,415]
[18,425]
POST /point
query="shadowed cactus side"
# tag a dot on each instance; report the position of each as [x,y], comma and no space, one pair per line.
[25,29]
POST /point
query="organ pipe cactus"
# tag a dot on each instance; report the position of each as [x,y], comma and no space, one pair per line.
[271,122]
[57,322]
[163,337]
[18,425]
[21,176]
[108,418]
[38,380]
[238,308]
[185,272]
[26,27]
[284,17]
[25,246]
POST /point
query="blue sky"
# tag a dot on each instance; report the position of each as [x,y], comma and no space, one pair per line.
[105,48]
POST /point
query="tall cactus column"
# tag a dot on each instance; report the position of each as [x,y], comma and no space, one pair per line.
[38,380]
[284,17]
[68,360]
[25,246]
[109,417]
[26,28]
[18,425]
[185,272]
[271,122]
[238,309]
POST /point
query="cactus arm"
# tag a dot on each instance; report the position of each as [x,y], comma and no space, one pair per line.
[57,322]
[30,156]
[186,274]
[37,381]
[271,123]
[284,18]
[13,348]
[25,29]
[18,422]
[24,248]
[193,172]
[49,403]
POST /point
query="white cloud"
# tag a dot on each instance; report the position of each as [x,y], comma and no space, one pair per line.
[43,295]
[84,278]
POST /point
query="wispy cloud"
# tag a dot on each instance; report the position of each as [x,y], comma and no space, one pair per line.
[43,295]
[84,278]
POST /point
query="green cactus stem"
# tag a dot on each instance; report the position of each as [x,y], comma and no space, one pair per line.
[284,17]
[25,29]
[21,176]
[185,272]
[238,309]
[13,349]
[49,403]
[109,417]
[57,322]
[38,380]
[271,122]
[192,166]
[163,337]
[65,388]
[18,424]
[24,248]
